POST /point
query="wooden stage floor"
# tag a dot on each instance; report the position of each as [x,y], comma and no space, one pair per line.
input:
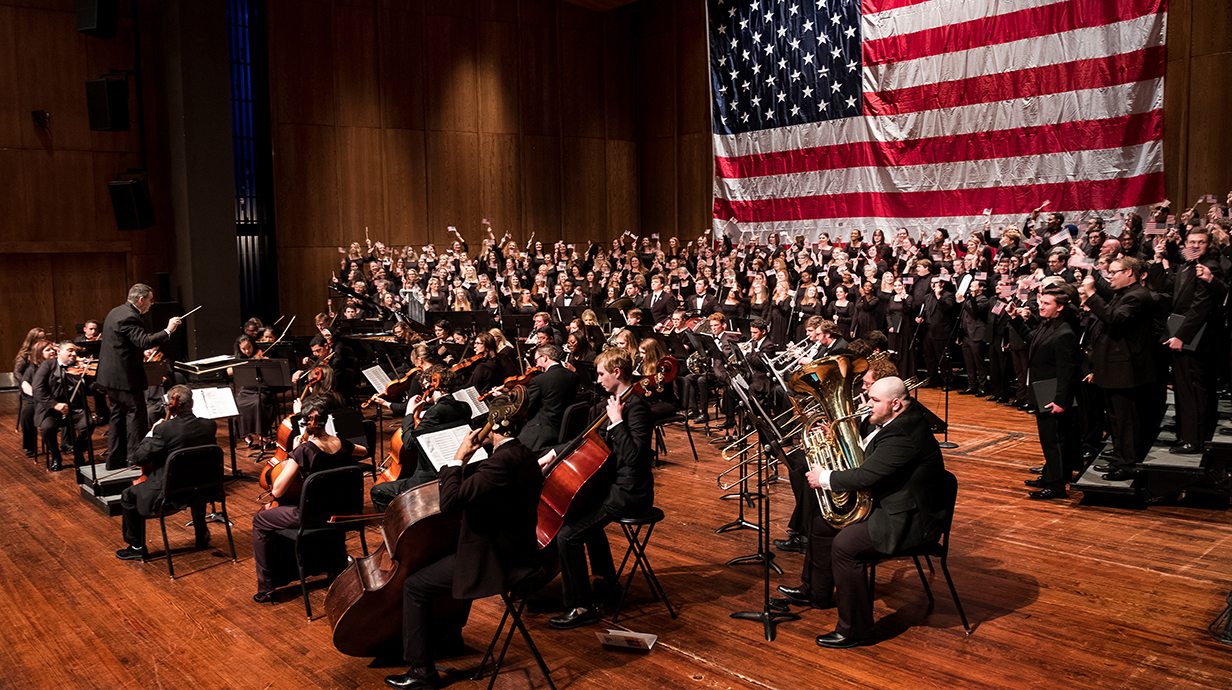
[1060,594]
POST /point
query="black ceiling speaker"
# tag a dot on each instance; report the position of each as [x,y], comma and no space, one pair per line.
[98,18]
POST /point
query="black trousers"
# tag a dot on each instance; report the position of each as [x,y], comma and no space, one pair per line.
[934,358]
[1092,415]
[834,570]
[53,422]
[1001,372]
[1062,447]
[422,624]
[1021,360]
[1127,417]
[579,537]
[25,421]
[126,426]
[1196,411]
[974,352]
[134,522]
[796,469]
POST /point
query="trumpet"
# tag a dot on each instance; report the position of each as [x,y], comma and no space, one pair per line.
[785,362]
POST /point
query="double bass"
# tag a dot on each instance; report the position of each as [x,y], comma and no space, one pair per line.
[568,477]
[364,604]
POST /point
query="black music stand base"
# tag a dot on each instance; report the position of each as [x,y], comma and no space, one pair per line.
[738,523]
[767,558]
[769,619]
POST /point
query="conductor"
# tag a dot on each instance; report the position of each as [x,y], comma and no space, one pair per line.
[121,374]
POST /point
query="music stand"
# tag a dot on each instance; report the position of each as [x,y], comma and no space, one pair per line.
[675,346]
[262,373]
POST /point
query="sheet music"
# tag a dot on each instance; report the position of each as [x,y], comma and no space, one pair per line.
[209,360]
[377,377]
[214,403]
[440,446]
[470,396]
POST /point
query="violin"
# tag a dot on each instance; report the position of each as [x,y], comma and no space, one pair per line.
[396,388]
[155,356]
[433,384]
[84,368]
[467,363]
[512,382]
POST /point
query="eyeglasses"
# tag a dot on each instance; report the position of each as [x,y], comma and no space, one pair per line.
[1113,271]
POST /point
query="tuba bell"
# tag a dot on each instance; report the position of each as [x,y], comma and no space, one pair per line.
[829,382]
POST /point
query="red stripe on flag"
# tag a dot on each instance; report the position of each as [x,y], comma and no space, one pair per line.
[1086,135]
[875,6]
[1115,193]
[1070,76]
[1004,28]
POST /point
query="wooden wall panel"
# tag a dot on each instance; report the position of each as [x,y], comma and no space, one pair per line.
[361,198]
[464,9]
[623,194]
[27,301]
[498,11]
[541,173]
[13,206]
[355,67]
[60,196]
[498,77]
[695,179]
[657,173]
[11,121]
[693,80]
[1208,171]
[1176,106]
[55,81]
[619,87]
[690,12]
[656,82]
[305,290]
[103,56]
[301,62]
[581,81]
[539,82]
[306,187]
[402,69]
[1212,27]
[542,12]
[453,83]
[85,286]
[584,189]
[453,185]
[406,182]
[500,182]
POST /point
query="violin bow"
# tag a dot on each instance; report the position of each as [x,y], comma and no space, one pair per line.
[284,334]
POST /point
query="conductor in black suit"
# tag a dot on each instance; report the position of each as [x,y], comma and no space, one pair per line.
[904,472]
[1122,360]
[499,500]
[548,394]
[1053,360]
[120,372]
[623,488]
[660,302]
[57,395]
[183,430]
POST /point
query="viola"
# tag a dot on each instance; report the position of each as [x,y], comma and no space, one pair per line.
[433,384]
[568,479]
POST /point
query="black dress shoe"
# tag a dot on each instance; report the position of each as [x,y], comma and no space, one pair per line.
[131,553]
[794,543]
[1186,449]
[1029,409]
[1044,494]
[700,419]
[575,618]
[203,543]
[967,391]
[263,597]
[55,465]
[1035,483]
[30,453]
[415,679]
[1038,469]
[836,641]
[1118,475]
[1104,467]
[800,596]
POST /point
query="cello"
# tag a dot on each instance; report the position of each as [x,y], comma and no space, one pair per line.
[567,479]
[364,604]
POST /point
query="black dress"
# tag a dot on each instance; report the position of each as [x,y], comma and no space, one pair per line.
[843,316]
[900,331]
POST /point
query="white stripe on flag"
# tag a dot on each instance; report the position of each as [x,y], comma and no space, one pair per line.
[939,13]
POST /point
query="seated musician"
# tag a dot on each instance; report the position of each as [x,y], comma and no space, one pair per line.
[624,488]
[255,403]
[37,352]
[181,429]
[321,384]
[321,451]
[487,373]
[320,349]
[499,499]
[548,395]
[634,317]
[424,415]
[697,387]
[60,396]
[904,470]
[662,403]
[506,353]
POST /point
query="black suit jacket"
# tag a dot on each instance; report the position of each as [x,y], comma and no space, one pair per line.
[904,472]
[974,318]
[182,431]
[662,308]
[631,464]
[707,306]
[1122,355]
[499,498]
[1053,354]
[52,387]
[125,339]
[1197,300]
[548,395]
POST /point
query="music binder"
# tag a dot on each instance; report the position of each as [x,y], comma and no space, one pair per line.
[1174,325]
[1045,392]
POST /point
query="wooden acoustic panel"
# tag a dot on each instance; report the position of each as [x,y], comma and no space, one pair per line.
[306,186]
[692,80]
[55,81]
[1211,26]
[498,11]
[656,86]
[581,78]
[1176,106]
[619,87]
[360,185]
[498,77]
[623,193]
[25,281]
[453,185]
[355,67]
[658,186]
[12,120]
[500,182]
[541,181]
[86,286]
[1210,139]
[600,5]
[695,179]
[402,69]
[13,204]
[303,277]
[301,62]
[584,190]
[539,82]
[103,56]
[406,185]
[453,84]
[60,195]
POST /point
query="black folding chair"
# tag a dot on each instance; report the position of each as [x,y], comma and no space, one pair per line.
[194,477]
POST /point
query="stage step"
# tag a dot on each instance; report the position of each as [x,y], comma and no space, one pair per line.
[106,495]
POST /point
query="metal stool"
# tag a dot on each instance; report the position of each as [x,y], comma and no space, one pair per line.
[515,603]
[632,527]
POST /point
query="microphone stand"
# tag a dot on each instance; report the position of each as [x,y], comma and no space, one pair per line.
[946,366]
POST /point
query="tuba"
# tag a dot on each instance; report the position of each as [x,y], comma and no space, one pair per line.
[829,382]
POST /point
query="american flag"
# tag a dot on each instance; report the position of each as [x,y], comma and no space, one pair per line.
[834,114]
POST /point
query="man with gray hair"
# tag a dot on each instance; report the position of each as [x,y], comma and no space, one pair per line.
[120,371]
[548,394]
